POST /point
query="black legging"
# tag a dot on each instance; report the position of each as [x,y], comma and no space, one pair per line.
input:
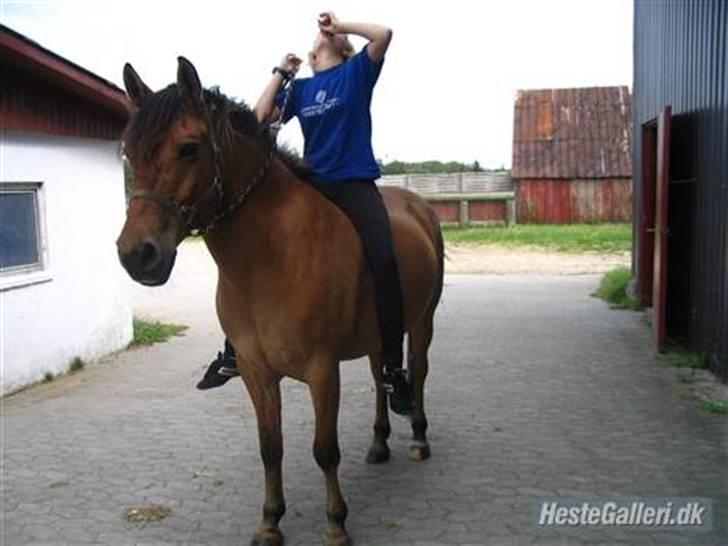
[362,203]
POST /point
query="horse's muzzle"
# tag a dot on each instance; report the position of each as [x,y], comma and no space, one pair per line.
[148,263]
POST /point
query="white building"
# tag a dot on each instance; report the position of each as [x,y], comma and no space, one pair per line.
[63,293]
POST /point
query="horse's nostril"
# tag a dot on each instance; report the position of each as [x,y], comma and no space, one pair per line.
[149,255]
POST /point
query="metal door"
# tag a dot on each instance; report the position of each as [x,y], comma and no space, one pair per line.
[659,285]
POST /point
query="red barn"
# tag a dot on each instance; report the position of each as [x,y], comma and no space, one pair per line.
[572,155]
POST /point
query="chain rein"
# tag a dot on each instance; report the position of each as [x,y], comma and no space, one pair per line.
[274,126]
[187,213]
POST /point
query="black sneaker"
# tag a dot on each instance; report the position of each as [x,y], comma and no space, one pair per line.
[396,385]
[221,370]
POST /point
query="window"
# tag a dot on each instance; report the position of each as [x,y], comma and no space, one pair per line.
[21,236]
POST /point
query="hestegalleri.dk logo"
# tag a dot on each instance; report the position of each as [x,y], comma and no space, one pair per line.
[632,513]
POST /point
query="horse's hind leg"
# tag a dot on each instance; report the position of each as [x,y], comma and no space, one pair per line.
[417,364]
[379,450]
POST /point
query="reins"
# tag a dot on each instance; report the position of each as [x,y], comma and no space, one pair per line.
[187,213]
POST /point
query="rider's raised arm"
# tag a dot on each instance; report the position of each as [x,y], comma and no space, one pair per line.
[379,36]
[265,109]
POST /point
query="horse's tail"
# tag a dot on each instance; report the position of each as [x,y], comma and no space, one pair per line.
[440,252]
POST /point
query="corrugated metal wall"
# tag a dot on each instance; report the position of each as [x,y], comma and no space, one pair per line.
[680,59]
[574,201]
[572,133]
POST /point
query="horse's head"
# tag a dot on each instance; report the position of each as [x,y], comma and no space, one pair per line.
[171,147]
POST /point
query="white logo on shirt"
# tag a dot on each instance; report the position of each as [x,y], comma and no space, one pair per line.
[321,106]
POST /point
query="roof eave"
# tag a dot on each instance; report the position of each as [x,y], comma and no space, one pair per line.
[19,51]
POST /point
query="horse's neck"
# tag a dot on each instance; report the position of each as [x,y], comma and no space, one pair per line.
[261,236]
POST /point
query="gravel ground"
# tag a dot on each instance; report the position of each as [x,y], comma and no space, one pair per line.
[501,260]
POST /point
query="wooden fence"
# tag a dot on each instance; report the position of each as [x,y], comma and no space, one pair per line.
[464,198]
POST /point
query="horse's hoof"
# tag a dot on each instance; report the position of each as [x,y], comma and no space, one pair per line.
[378,454]
[337,538]
[419,451]
[267,538]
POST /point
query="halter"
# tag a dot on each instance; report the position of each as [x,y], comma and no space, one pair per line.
[187,213]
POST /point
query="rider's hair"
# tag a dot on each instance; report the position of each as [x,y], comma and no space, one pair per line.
[348,49]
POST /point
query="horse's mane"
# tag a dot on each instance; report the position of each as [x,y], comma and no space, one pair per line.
[230,118]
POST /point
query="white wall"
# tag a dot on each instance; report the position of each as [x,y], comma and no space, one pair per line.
[80,306]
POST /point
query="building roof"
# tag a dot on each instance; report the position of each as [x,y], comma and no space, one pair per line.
[572,133]
[19,52]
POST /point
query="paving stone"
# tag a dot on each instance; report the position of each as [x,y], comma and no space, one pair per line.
[535,390]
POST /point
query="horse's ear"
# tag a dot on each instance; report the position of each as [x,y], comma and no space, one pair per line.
[243,123]
[136,89]
[188,83]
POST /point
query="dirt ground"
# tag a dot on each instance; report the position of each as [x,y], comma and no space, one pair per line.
[500,260]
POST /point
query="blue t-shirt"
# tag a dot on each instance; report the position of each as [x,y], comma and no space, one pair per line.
[333,110]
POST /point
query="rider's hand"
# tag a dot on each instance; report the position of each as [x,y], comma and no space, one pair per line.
[328,23]
[291,63]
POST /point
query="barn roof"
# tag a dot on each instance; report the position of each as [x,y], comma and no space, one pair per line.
[19,52]
[572,133]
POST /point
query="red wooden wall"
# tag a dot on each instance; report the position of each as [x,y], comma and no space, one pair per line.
[478,211]
[566,201]
[487,211]
[30,104]
[447,211]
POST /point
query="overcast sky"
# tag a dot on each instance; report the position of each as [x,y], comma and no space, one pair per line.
[450,77]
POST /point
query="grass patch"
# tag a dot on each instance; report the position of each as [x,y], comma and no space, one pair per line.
[76,365]
[613,289]
[150,332]
[715,406]
[682,358]
[605,238]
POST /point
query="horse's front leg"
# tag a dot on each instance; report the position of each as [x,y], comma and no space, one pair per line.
[324,386]
[265,392]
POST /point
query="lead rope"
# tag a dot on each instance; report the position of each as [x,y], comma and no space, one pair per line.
[275,126]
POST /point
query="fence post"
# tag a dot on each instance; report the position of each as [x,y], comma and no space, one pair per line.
[511,211]
[464,220]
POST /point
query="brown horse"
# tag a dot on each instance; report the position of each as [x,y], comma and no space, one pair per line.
[294,294]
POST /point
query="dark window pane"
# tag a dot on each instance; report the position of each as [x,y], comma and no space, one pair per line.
[18,230]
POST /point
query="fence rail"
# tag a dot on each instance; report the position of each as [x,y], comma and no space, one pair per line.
[451,182]
[463,198]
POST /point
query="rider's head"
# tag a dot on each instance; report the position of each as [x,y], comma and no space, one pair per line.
[329,50]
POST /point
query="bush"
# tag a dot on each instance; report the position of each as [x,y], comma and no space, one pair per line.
[76,365]
[613,289]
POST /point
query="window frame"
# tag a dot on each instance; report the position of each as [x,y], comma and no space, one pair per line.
[38,271]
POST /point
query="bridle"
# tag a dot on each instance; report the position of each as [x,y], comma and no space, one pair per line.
[214,195]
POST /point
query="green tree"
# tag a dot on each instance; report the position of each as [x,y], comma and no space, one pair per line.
[433,166]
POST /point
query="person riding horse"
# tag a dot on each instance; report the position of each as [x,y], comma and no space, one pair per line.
[293,246]
[333,108]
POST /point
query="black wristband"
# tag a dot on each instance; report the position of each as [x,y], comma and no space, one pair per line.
[287,74]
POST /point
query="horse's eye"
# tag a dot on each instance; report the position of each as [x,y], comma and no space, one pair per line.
[189,150]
